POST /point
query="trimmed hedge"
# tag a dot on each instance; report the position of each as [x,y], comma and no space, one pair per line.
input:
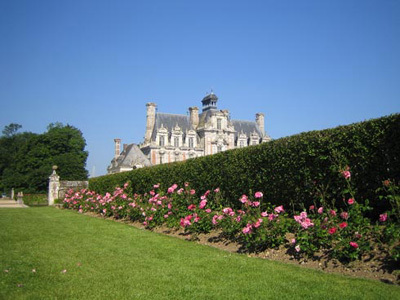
[293,171]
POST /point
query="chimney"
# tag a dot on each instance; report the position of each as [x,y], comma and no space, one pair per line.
[260,123]
[117,148]
[194,116]
[150,120]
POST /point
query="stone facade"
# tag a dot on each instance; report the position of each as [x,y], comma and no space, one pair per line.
[173,137]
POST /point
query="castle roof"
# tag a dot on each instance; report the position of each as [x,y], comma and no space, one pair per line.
[131,156]
[169,122]
[246,127]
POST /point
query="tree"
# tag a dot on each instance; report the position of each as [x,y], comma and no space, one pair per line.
[26,159]
[11,129]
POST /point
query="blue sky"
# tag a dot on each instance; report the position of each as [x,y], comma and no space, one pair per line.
[94,64]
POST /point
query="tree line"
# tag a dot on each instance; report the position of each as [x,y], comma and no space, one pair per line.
[26,158]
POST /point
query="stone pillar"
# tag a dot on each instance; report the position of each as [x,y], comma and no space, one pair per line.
[54,186]
[150,121]
[194,116]
[260,123]
[20,197]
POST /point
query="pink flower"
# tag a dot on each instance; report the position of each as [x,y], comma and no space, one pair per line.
[169,205]
[343,225]
[238,219]
[344,215]
[192,192]
[350,201]
[255,204]
[208,210]
[166,216]
[332,213]
[247,229]
[186,184]
[227,210]
[312,207]
[192,207]
[216,190]
[214,219]
[383,217]
[271,217]
[279,209]
[180,191]
[354,245]
[332,230]
[156,186]
[320,210]
[293,241]
[203,203]
[258,223]
[196,218]
[346,174]
[264,214]
[297,248]
[243,199]
[258,195]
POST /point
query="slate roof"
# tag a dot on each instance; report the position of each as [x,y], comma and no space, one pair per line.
[169,121]
[247,127]
[131,156]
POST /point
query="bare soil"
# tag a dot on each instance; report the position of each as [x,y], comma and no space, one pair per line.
[375,266]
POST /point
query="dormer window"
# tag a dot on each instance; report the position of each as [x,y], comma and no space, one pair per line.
[191,142]
[162,140]
[219,124]
[176,141]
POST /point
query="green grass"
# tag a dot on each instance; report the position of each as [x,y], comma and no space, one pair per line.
[118,261]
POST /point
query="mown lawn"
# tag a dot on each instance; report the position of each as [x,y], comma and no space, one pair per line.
[80,257]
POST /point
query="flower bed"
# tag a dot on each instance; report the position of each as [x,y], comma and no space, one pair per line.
[344,233]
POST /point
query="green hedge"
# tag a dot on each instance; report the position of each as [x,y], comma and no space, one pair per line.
[289,170]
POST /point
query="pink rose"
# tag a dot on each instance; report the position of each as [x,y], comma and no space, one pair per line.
[346,174]
[332,230]
[192,192]
[264,214]
[255,204]
[192,207]
[312,207]
[344,215]
[258,195]
[208,210]
[332,213]
[343,225]
[350,201]
[297,248]
[243,199]
[354,245]
[320,210]
[203,203]
[216,190]
[383,217]
[279,209]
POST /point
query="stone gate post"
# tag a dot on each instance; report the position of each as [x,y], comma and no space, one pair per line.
[54,186]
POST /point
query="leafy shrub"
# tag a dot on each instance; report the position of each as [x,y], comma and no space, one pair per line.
[291,171]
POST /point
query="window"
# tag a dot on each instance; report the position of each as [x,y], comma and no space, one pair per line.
[241,144]
[176,141]
[191,142]
[162,141]
[161,159]
[219,126]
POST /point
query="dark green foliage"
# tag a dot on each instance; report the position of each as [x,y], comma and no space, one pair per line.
[26,159]
[291,171]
